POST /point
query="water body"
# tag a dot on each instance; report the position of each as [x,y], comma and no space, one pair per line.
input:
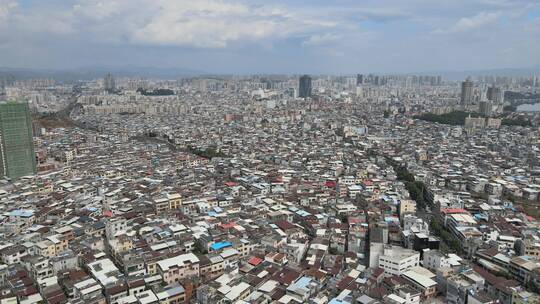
[529,107]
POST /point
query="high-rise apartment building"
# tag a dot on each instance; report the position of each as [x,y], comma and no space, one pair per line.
[17,157]
[304,89]
[109,83]
[485,108]
[359,79]
[495,94]
[466,92]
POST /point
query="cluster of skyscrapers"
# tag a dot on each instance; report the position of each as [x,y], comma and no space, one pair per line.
[468,96]
[485,104]
[377,80]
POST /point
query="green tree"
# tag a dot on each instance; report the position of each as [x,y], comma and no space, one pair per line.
[453,118]
[519,121]
[509,108]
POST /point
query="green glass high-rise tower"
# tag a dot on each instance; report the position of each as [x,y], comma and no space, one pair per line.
[17,156]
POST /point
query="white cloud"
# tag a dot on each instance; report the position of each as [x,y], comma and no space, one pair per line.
[208,24]
[266,30]
[511,3]
[6,7]
[54,22]
[201,23]
[322,39]
[382,14]
[96,9]
[468,24]
[477,21]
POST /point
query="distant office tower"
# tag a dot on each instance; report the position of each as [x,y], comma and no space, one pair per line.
[304,89]
[466,92]
[17,157]
[359,79]
[495,94]
[485,108]
[109,84]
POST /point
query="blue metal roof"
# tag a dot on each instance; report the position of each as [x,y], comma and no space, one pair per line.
[338,301]
[302,283]
[220,245]
[22,213]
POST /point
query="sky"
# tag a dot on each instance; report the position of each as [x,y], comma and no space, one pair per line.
[282,36]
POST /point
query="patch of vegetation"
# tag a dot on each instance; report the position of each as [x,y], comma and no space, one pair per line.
[529,207]
[52,121]
[519,121]
[510,108]
[416,188]
[403,174]
[207,153]
[446,237]
[456,118]
[531,211]
[199,248]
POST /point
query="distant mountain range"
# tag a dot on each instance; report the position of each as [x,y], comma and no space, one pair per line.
[98,72]
[87,73]
[459,75]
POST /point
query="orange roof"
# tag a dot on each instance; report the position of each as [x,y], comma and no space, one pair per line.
[227,225]
[255,261]
[454,210]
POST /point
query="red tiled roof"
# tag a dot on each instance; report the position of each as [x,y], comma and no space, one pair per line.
[330,184]
[367,182]
[284,225]
[345,282]
[227,225]
[377,272]
[286,276]
[453,210]
[255,261]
